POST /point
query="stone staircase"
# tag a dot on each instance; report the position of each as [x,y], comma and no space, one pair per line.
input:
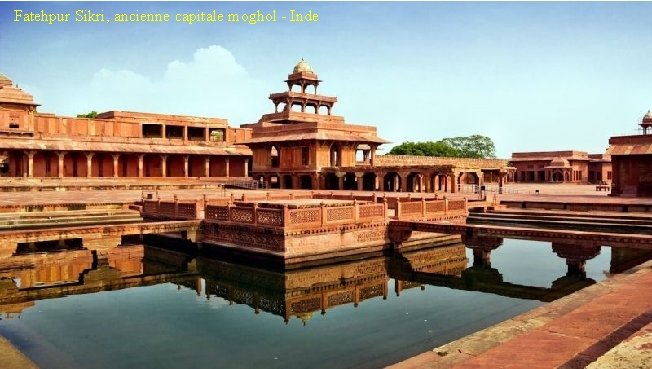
[612,222]
[53,219]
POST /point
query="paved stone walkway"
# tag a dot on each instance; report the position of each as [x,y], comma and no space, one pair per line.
[568,333]
[10,358]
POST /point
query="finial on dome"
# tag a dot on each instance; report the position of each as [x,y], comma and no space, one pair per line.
[302,66]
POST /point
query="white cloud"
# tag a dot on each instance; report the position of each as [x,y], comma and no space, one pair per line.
[212,84]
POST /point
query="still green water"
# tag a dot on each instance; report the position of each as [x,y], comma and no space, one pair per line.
[198,322]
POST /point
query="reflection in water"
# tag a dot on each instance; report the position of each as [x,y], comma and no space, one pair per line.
[366,304]
[298,292]
[27,277]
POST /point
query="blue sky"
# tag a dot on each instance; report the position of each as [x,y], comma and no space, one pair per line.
[532,76]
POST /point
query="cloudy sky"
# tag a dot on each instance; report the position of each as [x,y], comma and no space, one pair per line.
[532,76]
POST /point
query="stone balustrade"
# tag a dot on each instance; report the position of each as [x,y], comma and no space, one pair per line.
[430,209]
[178,210]
[269,210]
[289,216]
[411,160]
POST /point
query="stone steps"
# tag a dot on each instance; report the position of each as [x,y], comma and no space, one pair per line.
[615,223]
[38,220]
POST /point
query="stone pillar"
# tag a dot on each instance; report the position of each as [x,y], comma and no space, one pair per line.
[373,155]
[453,185]
[359,181]
[89,163]
[315,181]
[340,180]
[164,165]
[141,165]
[116,157]
[62,155]
[186,158]
[207,166]
[281,182]
[421,189]
[185,133]
[295,182]
[404,182]
[226,165]
[206,135]
[445,179]
[377,183]
[246,167]
[30,162]
[481,256]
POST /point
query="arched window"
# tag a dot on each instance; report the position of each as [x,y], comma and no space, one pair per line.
[275,157]
[336,156]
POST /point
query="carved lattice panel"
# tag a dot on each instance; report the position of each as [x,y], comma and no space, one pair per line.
[242,215]
[375,210]
[270,217]
[340,213]
[302,216]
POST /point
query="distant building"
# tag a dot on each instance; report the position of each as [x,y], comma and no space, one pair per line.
[631,158]
[568,166]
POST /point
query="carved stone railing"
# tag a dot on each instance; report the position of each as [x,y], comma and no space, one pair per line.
[256,211]
[430,209]
[296,216]
[171,209]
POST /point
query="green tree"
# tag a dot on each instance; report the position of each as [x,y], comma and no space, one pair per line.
[475,146]
[91,115]
[427,148]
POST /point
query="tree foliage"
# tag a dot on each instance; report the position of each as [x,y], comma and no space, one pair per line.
[428,148]
[475,146]
[92,115]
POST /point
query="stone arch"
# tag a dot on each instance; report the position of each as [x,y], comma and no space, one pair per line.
[392,182]
[336,155]
[274,157]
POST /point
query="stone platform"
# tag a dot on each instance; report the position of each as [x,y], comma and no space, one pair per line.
[572,332]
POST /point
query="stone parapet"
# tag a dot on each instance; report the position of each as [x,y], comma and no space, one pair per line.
[414,160]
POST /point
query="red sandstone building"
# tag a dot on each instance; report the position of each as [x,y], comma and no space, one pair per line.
[569,166]
[116,144]
[632,162]
[302,145]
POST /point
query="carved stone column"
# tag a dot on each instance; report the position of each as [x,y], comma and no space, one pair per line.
[116,158]
[89,163]
[164,166]
[61,155]
[246,167]
[186,158]
[359,181]
[226,165]
[141,159]
[30,162]
[207,166]
[340,180]
[453,186]
[404,181]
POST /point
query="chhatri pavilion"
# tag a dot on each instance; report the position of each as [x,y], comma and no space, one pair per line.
[302,145]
